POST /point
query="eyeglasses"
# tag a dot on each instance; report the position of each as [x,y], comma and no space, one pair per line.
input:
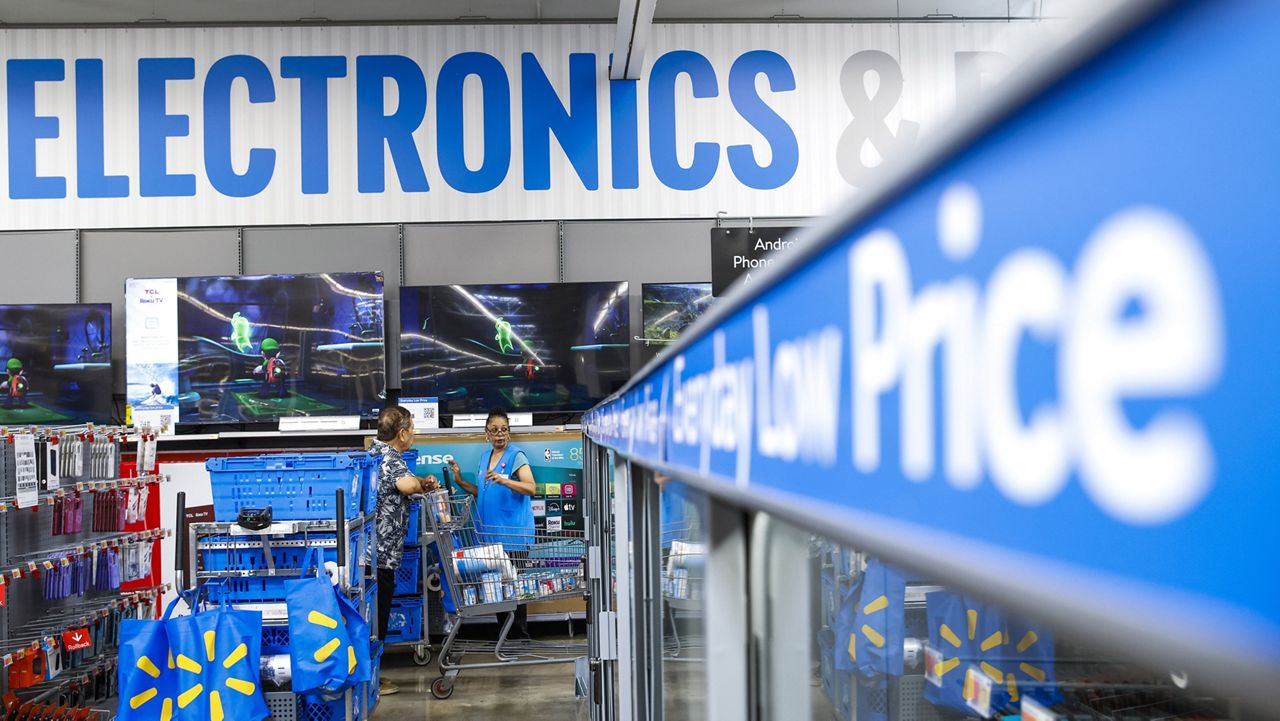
[498,430]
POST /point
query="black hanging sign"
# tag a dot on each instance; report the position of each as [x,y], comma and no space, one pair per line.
[743,252]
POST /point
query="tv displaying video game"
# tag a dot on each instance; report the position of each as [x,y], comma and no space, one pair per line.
[667,309]
[57,364]
[558,347]
[248,349]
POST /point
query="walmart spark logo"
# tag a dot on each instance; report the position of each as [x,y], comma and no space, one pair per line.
[996,640]
[194,693]
[324,652]
[879,605]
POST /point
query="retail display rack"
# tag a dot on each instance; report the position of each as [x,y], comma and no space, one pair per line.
[79,552]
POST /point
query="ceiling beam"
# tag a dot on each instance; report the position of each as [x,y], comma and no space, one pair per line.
[635,21]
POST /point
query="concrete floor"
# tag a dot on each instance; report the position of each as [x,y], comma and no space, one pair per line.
[519,693]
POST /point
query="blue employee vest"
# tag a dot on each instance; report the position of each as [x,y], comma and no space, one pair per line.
[506,517]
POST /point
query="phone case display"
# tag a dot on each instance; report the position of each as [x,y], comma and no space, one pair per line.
[79,553]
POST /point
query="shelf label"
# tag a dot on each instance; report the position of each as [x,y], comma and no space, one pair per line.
[319,423]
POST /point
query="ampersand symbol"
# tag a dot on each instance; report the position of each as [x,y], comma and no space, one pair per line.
[869,115]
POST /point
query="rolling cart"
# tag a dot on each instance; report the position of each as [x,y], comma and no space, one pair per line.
[254,564]
[488,571]
[409,624]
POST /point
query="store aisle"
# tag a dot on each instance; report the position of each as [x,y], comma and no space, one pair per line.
[518,693]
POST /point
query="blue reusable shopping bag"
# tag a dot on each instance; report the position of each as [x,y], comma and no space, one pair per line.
[216,654]
[360,665]
[148,679]
[967,632]
[878,626]
[1030,650]
[320,649]
[846,639]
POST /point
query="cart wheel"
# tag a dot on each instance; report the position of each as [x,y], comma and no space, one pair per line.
[422,655]
[442,688]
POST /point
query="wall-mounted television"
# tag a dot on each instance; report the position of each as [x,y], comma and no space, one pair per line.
[667,309]
[57,364]
[250,349]
[558,347]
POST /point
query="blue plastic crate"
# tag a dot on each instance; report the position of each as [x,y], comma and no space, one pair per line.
[368,481]
[375,653]
[297,486]
[405,623]
[844,700]
[275,640]
[408,573]
[314,709]
[252,558]
[826,665]
[871,703]
[413,528]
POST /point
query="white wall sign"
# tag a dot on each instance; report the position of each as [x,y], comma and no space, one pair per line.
[164,127]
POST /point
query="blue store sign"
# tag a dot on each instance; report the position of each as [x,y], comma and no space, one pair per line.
[1056,354]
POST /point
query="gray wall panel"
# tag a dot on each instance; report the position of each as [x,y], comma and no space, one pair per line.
[111,257]
[334,249]
[676,251]
[38,267]
[472,254]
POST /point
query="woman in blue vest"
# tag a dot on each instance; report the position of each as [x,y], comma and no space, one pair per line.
[504,491]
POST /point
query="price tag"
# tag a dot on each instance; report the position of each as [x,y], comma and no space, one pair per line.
[1033,711]
[24,447]
[48,565]
[977,691]
[933,665]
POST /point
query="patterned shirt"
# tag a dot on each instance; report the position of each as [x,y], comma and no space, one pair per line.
[392,515]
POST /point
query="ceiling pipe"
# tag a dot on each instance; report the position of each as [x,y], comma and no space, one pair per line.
[635,20]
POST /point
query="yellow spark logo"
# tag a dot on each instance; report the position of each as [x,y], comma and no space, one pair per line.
[878,605]
[321,654]
[192,694]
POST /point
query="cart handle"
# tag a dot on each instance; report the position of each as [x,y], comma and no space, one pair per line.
[341,529]
[180,556]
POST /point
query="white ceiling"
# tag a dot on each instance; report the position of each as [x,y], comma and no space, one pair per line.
[88,12]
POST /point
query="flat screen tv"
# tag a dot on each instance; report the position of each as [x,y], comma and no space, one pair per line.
[57,364]
[667,309]
[547,348]
[250,349]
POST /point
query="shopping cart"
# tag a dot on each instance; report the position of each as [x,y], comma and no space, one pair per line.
[683,582]
[489,570]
